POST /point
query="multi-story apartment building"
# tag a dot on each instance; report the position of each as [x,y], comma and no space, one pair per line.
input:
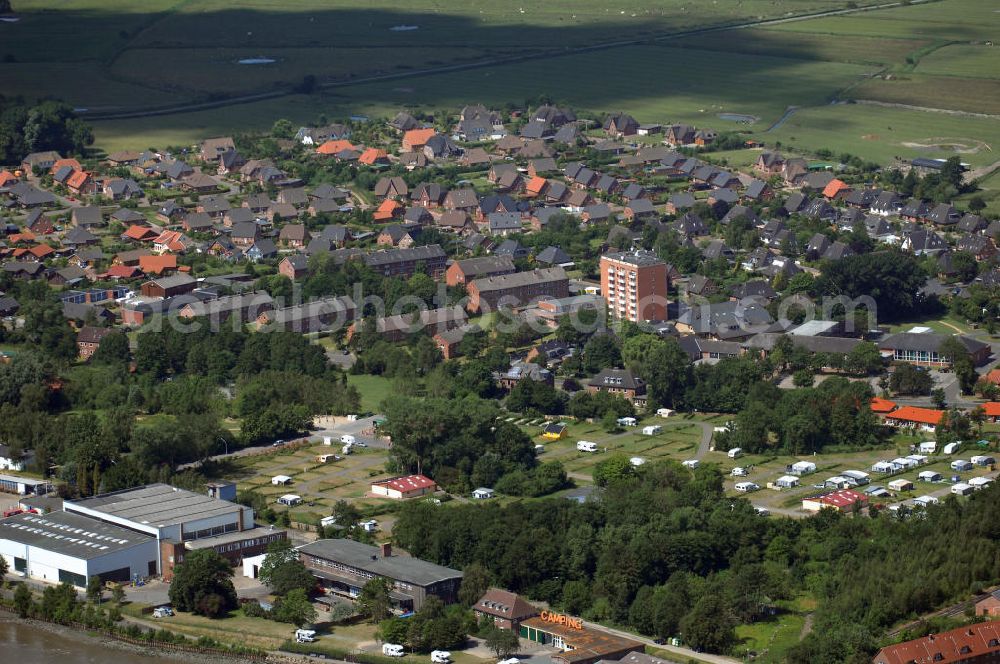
[634,285]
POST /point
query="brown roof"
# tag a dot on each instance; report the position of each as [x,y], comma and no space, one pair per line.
[505,604]
[92,335]
[587,643]
[958,645]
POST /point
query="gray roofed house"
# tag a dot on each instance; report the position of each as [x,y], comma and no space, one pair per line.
[923,347]
[462,199]
[971,223]
[87,217]
[595,213]
[553,256]
[511,248]
[796,202]
[944,215]
[502,223]
[78,236]
[128,216]
[215,205]
[923,243]
[329,192]
[567,135]
[681,201]
[403,121]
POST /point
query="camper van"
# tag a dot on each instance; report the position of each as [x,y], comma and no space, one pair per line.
[305,635]
[348,439]
[951,448]
[691,463]
[586,446]
[739,472]
[392,650]
[440,656]
[735,453]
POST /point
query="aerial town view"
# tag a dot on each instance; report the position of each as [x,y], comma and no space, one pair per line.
[493,332]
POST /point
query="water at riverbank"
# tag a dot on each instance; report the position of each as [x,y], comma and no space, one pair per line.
[37,644]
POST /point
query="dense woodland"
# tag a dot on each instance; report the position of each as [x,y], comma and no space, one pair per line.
[666,553]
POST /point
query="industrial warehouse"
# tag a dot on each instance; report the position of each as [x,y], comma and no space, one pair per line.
[131,534]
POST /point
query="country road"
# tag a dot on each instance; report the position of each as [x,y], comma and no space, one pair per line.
[490,62]
[677,650]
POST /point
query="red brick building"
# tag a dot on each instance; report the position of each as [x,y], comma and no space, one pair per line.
[517,289]
[635,285]
[88,339]
[974,643]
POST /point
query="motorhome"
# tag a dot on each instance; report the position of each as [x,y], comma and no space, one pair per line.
[440,656]
[586,446]
[392,650]
[305,635]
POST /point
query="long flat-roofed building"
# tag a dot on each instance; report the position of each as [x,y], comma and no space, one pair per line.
[62,547]
[345,566]
[180,521]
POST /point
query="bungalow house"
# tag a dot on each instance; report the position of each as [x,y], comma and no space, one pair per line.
[43,161]
[924,419]
[122,189]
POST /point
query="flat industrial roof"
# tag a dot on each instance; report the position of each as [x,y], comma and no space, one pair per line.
[156,505]
[369,558]
[73,535]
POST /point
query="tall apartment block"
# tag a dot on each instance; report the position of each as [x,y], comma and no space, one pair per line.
[634,285]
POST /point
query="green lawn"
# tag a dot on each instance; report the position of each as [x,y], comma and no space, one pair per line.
[373,389]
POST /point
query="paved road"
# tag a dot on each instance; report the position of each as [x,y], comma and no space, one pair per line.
[686,652]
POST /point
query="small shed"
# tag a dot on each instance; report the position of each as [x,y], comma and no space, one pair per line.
[482,493]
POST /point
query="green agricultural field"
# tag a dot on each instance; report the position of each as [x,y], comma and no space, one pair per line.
[968,60]
[989,191]
[190,48]
[974,95]
[881,134]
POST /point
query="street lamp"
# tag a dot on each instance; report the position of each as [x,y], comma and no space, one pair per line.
[226,443]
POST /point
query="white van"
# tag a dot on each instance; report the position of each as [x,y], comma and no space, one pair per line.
[586,446]
[735,453]
[392,650]
[305,635]
[739,472]
[440,656]
[348,439]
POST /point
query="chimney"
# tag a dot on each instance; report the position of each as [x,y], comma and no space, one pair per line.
[385,548]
